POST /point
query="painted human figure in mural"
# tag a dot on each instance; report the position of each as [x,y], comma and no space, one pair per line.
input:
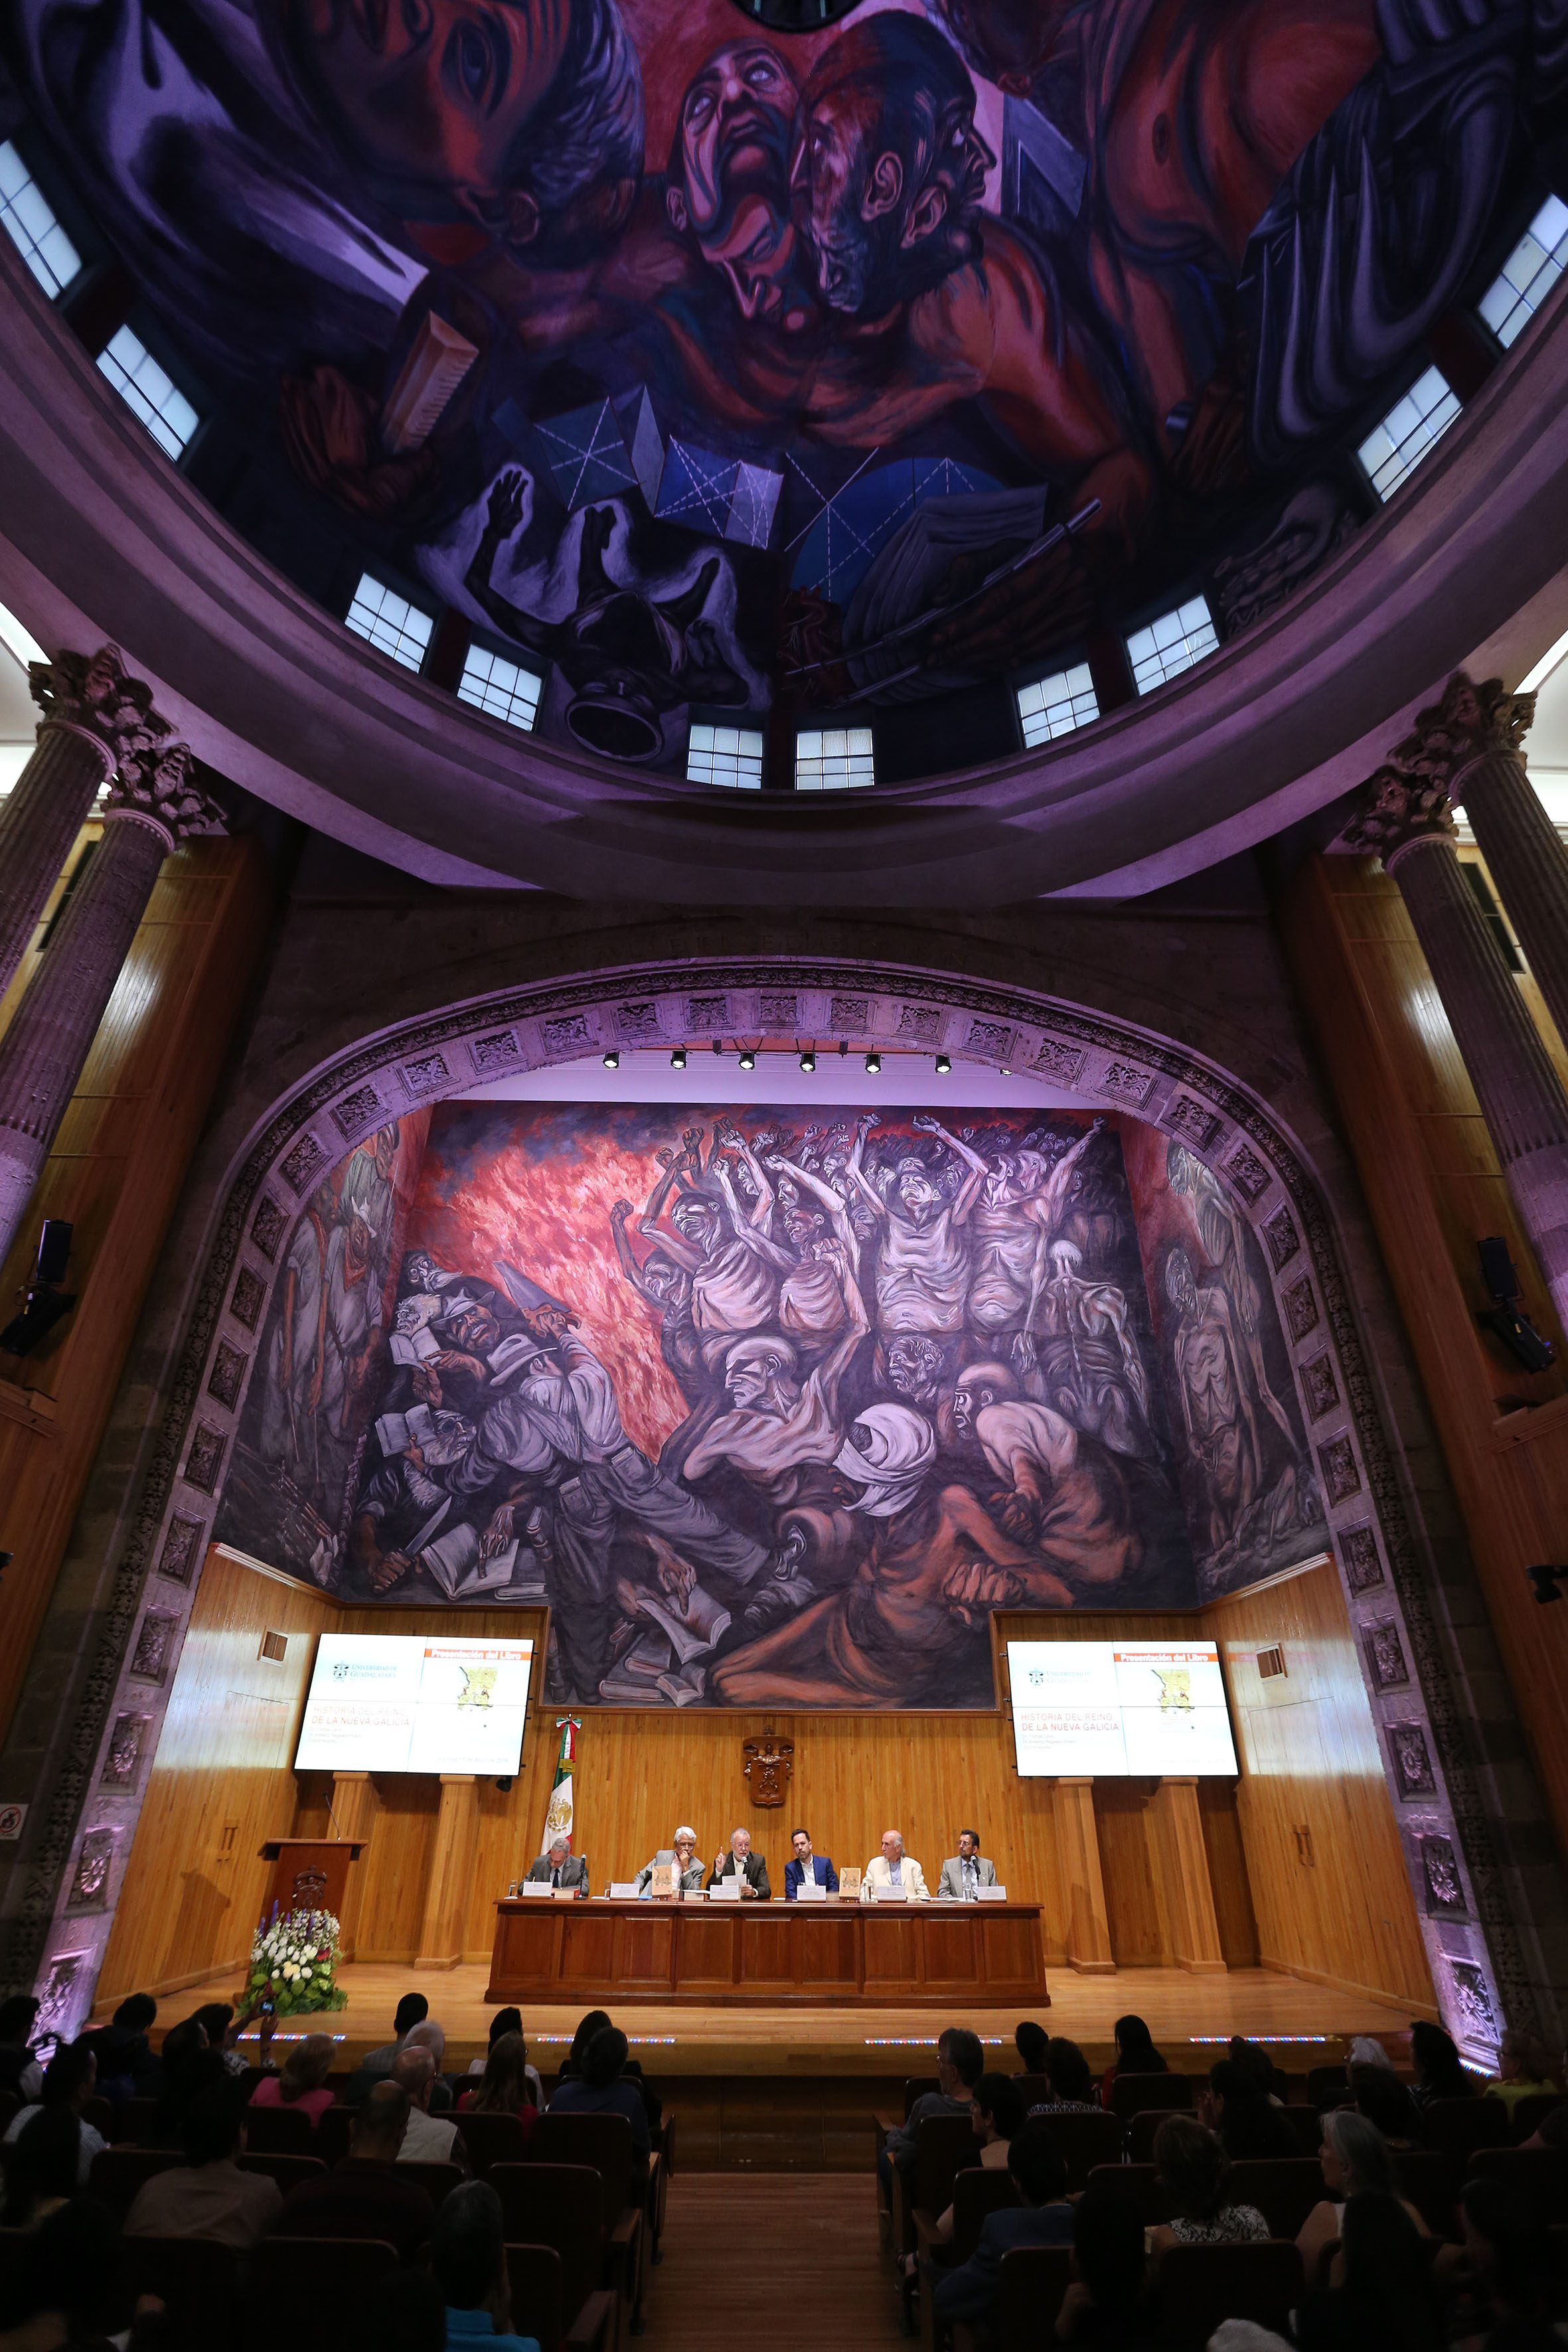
[1011,1226]
[1064,1494]
[666,1288]
[733,1288]
[1218,1413]
[1223,1234]
[727,185]
[1081,1356]
[922,1264]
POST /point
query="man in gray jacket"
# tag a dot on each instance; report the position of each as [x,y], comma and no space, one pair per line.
[966,1871]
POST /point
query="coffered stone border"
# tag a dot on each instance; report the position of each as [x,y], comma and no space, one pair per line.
[81,1826]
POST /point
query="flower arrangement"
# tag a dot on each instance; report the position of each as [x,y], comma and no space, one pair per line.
[293,1965]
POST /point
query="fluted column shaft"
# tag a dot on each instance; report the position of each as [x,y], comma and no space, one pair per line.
[40,819]
[1522,1097]
[1529,864]
[43,1051]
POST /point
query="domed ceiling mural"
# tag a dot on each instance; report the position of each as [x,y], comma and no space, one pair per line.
[706,365]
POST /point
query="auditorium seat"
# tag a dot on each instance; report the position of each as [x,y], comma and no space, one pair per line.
[279,2131]
[976,2194]
[1199,2286]
[135,2121]
[319,2286]
[1034,2282]
[1307,2123]
[333,2135]
[917,2086]
[1536,2175]
[1140,2182]
[1460,2126]
[491,2140]
[1327,2086]
[119,2172]
[561,2206]
[1084,2141]
[536,2283]
[288,2171]
[605,2142]
[1283,2187]
[943,2145]
[1530,2113]
[1133,2095]
[437,2180]
[10,2108]
[99,2114]
[195,2279]
[1431,2179]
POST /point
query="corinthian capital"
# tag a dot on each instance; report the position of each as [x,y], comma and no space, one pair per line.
[1450,735]
[1395,813]
[155,787]
[92,693]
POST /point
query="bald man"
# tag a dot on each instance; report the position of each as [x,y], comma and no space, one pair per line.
[893,1869]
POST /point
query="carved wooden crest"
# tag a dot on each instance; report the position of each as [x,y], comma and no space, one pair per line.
[309,1890]
[768,1764]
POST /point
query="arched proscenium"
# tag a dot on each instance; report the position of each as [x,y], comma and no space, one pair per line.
[57,1938]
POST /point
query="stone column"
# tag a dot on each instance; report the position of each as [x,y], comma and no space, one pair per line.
[1405,819]
[94,717]
[153,807]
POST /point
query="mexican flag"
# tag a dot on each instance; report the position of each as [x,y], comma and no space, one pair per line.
[558,1813]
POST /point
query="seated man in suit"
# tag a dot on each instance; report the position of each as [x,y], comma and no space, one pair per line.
[561,1866]
[894,1868]
[966,1871]
[740,1863]
[807,1868]
[684,1852]
[972,2291]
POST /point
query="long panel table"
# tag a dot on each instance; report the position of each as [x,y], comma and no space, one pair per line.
[773,1954]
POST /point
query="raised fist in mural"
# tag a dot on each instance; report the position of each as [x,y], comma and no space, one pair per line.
[390,1569]
[622,1210]
[973,1590]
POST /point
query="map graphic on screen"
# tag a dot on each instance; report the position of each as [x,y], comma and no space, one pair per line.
[415,1702]
[1112,1710]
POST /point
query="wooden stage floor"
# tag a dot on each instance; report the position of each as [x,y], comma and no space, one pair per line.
[1178,2008]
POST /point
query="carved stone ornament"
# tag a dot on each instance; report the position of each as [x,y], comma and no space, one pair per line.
[92,693]
[1396,812]
[769,1763]
[1408,799]
[154,787]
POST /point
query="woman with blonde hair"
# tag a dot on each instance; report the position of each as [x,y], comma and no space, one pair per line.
[303,2082]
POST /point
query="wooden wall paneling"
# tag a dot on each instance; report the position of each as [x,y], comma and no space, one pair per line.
[222,1780]
[1221,1818]
[115,1171]
[1138,1938]
[1187,1898]
[1433,1188]
[1085,1928]
[447,1869]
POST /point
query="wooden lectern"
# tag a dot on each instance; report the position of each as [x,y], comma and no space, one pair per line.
[305,1859]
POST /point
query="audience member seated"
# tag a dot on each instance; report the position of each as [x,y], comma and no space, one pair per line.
[594,2023]
[208,2196]
[20,2070]
[1135,2054]
[1385,2102]
[365,2196]
[1195,2173]
[997,2113]
[1366,2050]
[1030,2040]
[1439,2072]
[468,2263]
[406,2313]
[429,2139]
[509,2020]
[602,2088]
[1356,2163]
[190,2070]
[429,2035]
[302,2084]
[376,2064]
[1046,2218]
[45,2167]
[215,2019]
[65,2290]
[1068,2080]
[1524,2068]
[1246,2119]
[1506,2274]
[1380,2293]
[1103,2309]
[69,2081]
[960,2063]
[1260,2071]
[126,2066]
[506,2088]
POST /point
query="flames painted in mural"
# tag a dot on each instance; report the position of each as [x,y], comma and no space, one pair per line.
[687,360]
[774,1411]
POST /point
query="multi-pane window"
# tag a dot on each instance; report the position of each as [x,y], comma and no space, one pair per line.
[1054,706]
[390,622]
[1171,645]
[1393,449]
[32,227]
[147,389]
[491,683]
[725,755]
[1529,274]
[832,759]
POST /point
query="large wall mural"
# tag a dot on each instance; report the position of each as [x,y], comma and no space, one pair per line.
[772,1407]
[700,363]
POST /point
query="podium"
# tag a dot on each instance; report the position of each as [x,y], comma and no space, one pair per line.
[304,1860]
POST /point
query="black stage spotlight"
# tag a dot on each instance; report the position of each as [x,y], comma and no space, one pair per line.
[809,1061]
[612,1060]
[748,1058]
[677,1058]
[943,1065]
[873,1066]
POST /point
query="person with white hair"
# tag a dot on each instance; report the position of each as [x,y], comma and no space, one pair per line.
[560,1867]
[682,1850]
[936,1565]
[893,1871]
[748,1870]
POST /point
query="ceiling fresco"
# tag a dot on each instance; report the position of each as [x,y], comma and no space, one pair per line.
[703,366]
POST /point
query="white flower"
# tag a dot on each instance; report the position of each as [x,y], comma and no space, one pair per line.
[304,1976]
[289,1971]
